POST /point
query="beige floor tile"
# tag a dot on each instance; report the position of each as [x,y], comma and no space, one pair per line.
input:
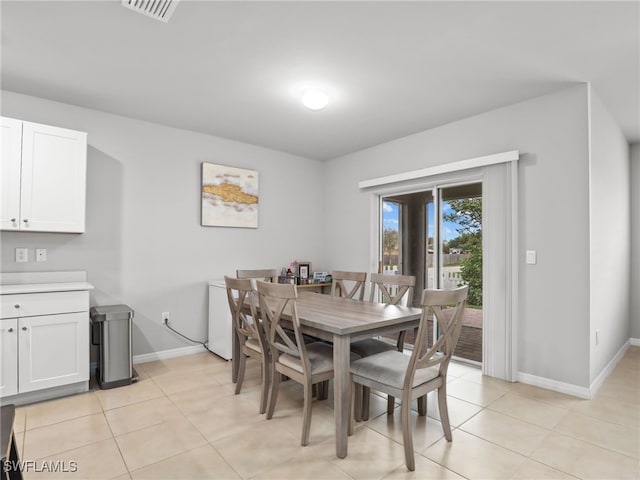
[322,422]
[143,414]
[608,435]
[425,468]
[54,411]
[306,468]
[230,416]
[508,432]
[370,455]
[60,437]
[426,431]
[121,396]
[529,410]
[457,370]
[459,410]
[532,470]
[478,377]
[583,459]
[153,444]
[181,381]
[611,410]
[476,393]
[200,399]
[258,449]
[184,363]
[620,389]
[474,458]
[96,460]
[20,444]
[200,463]
[550,397]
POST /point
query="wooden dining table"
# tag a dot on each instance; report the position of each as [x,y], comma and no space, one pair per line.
[342,321]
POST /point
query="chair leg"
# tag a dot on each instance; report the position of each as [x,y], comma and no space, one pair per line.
[422,405]
[353,405]
[444,412]
[391,404]
[325,390]
[306,414]
[264,394]
[366,394]
[273,394]
[241,367]
[356,392]
[407,436]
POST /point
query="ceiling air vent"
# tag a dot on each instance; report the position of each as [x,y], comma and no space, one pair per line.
[158,9]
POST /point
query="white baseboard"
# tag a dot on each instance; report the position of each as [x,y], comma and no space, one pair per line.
[164,354]
[635,342]
[561,387]
[606,371]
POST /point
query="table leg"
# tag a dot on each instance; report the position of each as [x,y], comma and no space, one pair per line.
[235,355]
[341,389]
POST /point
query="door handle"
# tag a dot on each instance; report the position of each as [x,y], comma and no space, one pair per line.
[17,305]
[24,328]
[10,330]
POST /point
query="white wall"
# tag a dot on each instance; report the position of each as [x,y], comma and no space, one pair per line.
[551,133]
[609,236]
[635,242]
[144,245]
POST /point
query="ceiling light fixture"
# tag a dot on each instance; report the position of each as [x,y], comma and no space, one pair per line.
[315,99]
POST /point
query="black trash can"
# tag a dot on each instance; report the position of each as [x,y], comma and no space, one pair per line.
[111,331]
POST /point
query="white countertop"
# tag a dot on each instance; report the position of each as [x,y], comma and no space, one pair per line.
[10,289]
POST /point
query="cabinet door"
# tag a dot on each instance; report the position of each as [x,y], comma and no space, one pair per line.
[8,357]
[52,197]
[10,173]
[53,350]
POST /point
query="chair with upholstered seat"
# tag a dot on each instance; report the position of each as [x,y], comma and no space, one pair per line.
[250,333]
[348,284]
[307,364]
[411,377]
[393,290]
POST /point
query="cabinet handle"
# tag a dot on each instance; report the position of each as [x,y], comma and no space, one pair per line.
[26,220]
[17,305]
[13,220]
[24,328]
[10,330]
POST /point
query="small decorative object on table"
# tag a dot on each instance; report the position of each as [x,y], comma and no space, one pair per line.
[304,270]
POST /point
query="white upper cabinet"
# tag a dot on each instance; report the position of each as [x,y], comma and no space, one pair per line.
[43,178]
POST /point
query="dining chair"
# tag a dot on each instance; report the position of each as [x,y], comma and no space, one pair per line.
[411,377]
[392,290]
[267,274]
[305,363]
[250,332]
[356,280]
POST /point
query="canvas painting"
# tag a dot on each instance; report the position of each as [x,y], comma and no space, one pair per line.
[229,196]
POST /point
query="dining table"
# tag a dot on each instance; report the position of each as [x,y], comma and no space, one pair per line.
[342,321]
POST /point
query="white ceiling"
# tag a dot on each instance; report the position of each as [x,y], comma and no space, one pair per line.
[234,69]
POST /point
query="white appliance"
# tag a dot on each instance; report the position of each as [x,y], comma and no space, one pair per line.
[220,327]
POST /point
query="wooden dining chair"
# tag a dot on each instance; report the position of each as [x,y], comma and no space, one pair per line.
[250,332]
[267,274]
[392,290]
[411,377]
[307,364]
[355,280]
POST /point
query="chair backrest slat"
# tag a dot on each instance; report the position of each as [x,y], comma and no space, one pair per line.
[267,274]
[380,283]
[339,288]
[446,308]
[277,306]
[239,294]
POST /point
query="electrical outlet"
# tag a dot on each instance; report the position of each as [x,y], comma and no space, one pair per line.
[165,317]
[41,254]
[22,255]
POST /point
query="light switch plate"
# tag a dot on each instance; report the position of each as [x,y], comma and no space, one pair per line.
[41,254]
[22,255]
[532,257]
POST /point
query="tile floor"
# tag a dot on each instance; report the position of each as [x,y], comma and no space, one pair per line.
[182,420]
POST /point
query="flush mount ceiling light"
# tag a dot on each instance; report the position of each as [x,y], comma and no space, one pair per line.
[315,99]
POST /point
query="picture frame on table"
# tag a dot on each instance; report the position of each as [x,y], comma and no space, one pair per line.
[304,270]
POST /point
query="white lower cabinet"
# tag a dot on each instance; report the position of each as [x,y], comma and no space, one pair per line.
[49,347]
